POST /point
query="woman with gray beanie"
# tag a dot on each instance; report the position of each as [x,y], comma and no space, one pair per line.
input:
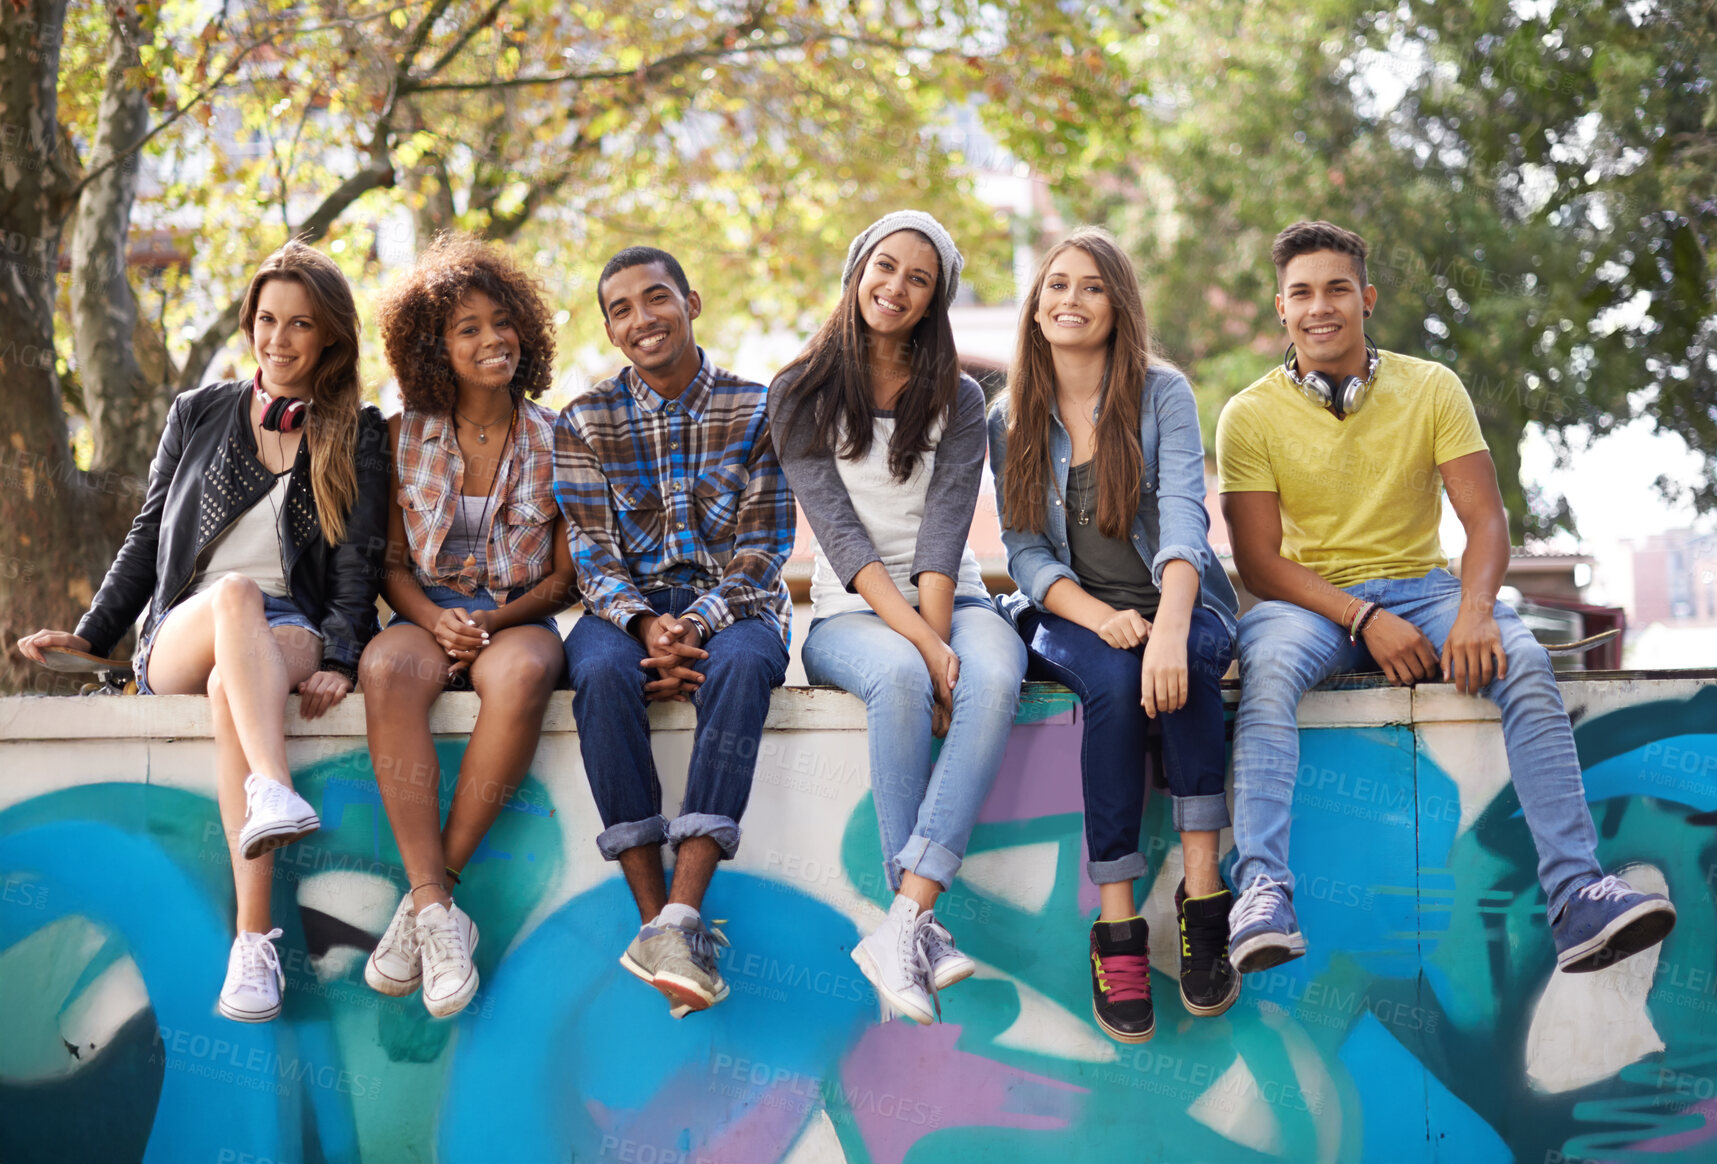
[883,441]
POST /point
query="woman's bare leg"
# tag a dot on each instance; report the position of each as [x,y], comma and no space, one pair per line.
[514,676]
[402,673]
[225,628]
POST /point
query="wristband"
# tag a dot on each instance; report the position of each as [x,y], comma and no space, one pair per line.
[1353,627]
[697,620]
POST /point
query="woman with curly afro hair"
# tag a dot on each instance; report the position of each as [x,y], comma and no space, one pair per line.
[478,562]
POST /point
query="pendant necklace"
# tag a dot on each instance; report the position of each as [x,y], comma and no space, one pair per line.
[470,562]
[483,429]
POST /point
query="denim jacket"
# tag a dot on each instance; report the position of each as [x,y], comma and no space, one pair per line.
[1174,472]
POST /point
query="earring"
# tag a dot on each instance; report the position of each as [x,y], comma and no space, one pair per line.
[1284,321]
[1368,313]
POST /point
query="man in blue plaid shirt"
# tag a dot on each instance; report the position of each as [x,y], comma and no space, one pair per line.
[680,521]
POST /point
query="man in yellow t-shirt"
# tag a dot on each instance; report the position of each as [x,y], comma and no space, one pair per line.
[1332,469]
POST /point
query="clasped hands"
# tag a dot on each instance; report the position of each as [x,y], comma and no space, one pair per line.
[672,646]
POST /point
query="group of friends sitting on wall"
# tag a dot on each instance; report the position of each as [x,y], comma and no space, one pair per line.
[278,507]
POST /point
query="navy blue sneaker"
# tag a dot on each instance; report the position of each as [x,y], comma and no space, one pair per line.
[1607,921]
[1263,931]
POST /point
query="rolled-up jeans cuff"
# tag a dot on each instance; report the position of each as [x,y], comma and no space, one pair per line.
[724,830]
[630,834]
[1201,814]
[1128,868]
[927,859]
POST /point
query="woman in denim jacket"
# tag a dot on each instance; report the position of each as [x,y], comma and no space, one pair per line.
[1100,486]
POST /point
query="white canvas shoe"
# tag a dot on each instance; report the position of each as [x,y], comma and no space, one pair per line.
[274,815]
[895,964]
[448,938]
[251,993]
[395,967]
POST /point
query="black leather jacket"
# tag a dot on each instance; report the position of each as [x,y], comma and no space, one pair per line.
[205,475]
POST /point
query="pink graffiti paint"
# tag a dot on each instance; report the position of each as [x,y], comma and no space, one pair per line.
[903,1082]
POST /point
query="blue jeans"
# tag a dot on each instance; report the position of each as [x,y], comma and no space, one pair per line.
[746,661]
[1112,748]
[925,811]
[1286,649]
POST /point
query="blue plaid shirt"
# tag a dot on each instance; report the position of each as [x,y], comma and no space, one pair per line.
[676,493]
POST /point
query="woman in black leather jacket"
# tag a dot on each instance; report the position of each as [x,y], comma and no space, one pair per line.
[258,552]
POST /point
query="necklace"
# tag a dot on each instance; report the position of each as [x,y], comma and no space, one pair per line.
[483,429]
[470,562]
[1082,517]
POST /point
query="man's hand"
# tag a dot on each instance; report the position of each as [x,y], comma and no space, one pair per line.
[1405,654]
[1473,654]
[1125,629]
[321,692]
[671,645]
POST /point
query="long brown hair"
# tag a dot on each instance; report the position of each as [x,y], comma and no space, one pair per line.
[1120,462]
[833,379]
[332,428]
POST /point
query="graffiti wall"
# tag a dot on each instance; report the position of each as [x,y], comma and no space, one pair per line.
[1425,1022]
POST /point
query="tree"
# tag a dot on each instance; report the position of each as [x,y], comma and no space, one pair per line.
[753,138]
[1523,182]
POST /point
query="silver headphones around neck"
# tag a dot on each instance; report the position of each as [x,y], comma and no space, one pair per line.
[1348,396]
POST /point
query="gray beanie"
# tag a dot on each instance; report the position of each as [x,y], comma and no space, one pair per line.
[909,220]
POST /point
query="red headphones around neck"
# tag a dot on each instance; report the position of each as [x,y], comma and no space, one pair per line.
[281,413]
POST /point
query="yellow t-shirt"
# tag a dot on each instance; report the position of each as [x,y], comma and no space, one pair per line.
[1361,498]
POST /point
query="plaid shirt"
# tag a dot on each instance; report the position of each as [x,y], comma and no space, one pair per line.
[676,493]
[521,522]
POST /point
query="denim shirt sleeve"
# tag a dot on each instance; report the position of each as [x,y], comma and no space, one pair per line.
[1032,561]
[1183,522]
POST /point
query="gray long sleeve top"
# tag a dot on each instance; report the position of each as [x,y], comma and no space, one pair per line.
[860,515]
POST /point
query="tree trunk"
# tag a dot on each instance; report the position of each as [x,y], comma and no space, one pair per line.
[49,560]
[127,406]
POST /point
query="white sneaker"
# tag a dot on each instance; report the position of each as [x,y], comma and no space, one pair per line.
[448,938]
[896,966]
[251,993]
[947,964]
[274,815]
[395,967]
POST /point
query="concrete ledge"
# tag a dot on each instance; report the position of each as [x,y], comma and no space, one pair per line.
[793,709]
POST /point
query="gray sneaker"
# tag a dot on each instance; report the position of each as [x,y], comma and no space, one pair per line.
[681,963]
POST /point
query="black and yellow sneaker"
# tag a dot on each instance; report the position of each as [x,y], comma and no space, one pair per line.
[1208,983]
[1121,980]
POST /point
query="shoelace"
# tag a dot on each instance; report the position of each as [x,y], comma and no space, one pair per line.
[1212,936]
[269,795]
[257,960]
[701,942]
[1124,977]
[1611,887]
[403,931]
[444,945]
[919,957]
[1258,902]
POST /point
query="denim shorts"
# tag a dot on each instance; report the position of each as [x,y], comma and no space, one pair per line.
[447,598]
[278,611]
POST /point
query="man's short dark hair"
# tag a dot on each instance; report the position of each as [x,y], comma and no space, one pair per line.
[1304,238]
[641,257]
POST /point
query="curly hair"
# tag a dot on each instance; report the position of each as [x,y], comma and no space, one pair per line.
[415,310]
